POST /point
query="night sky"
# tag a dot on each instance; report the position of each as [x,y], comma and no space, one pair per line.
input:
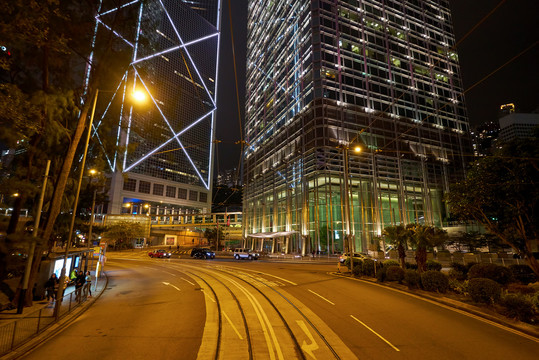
[512,28]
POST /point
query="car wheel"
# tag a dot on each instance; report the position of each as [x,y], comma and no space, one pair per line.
[237,257]
[151,255]
[213,256]
[250,257]
[205,257]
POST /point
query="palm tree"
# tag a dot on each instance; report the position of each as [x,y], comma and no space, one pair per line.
[423,237]
[399,236]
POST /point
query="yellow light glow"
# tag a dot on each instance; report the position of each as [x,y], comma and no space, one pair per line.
[357,148]
[93,171]
[139,96]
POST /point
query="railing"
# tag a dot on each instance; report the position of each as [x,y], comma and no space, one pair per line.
[17,332]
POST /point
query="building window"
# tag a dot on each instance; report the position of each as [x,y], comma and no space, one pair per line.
[171,191]
[182,193]
[130,185]
[193,195]
[144,187]
[203,197]
[158,189]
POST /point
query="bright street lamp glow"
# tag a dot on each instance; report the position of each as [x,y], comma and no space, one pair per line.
[139,96]
[357,148]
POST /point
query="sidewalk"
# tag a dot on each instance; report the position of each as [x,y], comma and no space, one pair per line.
[19,333]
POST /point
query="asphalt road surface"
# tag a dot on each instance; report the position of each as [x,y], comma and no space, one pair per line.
[227,309]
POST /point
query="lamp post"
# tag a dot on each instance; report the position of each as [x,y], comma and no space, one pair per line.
[93,172]
[348,237]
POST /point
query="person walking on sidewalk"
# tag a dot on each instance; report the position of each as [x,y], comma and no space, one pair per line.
[88,279]
[79,283]
[51,286]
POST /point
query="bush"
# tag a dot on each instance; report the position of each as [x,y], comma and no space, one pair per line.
[500,274]
[357,271]
[457,275]
[434,265]
[516,288]
[523,273]
[412,279]
[381,274]
[458,286]
[459,267]
[389,263]
[411,266]
[484,290]
[395,273]
[356,262]
[535,301]
[368,267]
[433,280]
[519,307]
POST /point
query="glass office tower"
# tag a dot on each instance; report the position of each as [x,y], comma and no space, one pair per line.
[166,157]
[324,76]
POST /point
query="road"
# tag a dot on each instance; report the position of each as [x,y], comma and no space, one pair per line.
[195,309]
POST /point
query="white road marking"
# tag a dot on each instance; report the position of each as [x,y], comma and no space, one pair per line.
[465,313]
[188,281]
[169,284]
[233,327]
[374,332]
[313,345]
[259,272]
[209,297]
[169,273]
[321,297]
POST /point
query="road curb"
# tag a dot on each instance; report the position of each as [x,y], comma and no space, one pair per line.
[53,329]
[522,327]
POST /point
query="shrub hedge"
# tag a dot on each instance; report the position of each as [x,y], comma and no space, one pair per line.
[368,267]
[389,263]
[433,280]
[519,307]
[395,273]
[434,265]
[412,279]
[500,274]
[484,290]
[523,273]
[357,270]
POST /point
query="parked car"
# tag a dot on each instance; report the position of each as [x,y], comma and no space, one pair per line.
[357,256]
[202,253]
[242,253]
[159,254]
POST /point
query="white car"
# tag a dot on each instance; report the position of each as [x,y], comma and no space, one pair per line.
[242,253]
[357,256]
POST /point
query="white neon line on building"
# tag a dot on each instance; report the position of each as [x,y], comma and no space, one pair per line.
[118,8]
[114,32]
[188,54]
[174,48]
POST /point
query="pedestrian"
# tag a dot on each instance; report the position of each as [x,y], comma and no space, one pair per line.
[73,275]
[51,286]
[79,283]
[89,283]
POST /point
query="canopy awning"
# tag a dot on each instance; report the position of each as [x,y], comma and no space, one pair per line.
[269,235]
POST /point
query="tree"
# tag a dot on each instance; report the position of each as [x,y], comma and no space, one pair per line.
[501,192]
[425,237]
[122,233]
[399,236]
[212,234]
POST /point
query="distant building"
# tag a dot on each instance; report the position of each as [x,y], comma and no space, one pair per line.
[228,177]
[517,125]
[484,137]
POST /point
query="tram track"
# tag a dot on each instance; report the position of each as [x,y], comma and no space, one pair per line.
[305,336]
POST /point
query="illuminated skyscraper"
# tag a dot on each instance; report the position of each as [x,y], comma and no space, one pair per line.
[325,75]
[167,157]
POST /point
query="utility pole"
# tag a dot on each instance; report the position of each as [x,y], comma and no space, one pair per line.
[28,268]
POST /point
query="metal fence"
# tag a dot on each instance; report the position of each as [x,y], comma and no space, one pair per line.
[17,332]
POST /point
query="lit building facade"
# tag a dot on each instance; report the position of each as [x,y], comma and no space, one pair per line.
[165,163]
[323,76]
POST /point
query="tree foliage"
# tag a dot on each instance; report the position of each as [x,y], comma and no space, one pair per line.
[121,234]
[398,235]
[501,192]
[425,237]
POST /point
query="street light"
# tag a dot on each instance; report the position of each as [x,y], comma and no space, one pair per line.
[348,237]
[76,202]
[93,172]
